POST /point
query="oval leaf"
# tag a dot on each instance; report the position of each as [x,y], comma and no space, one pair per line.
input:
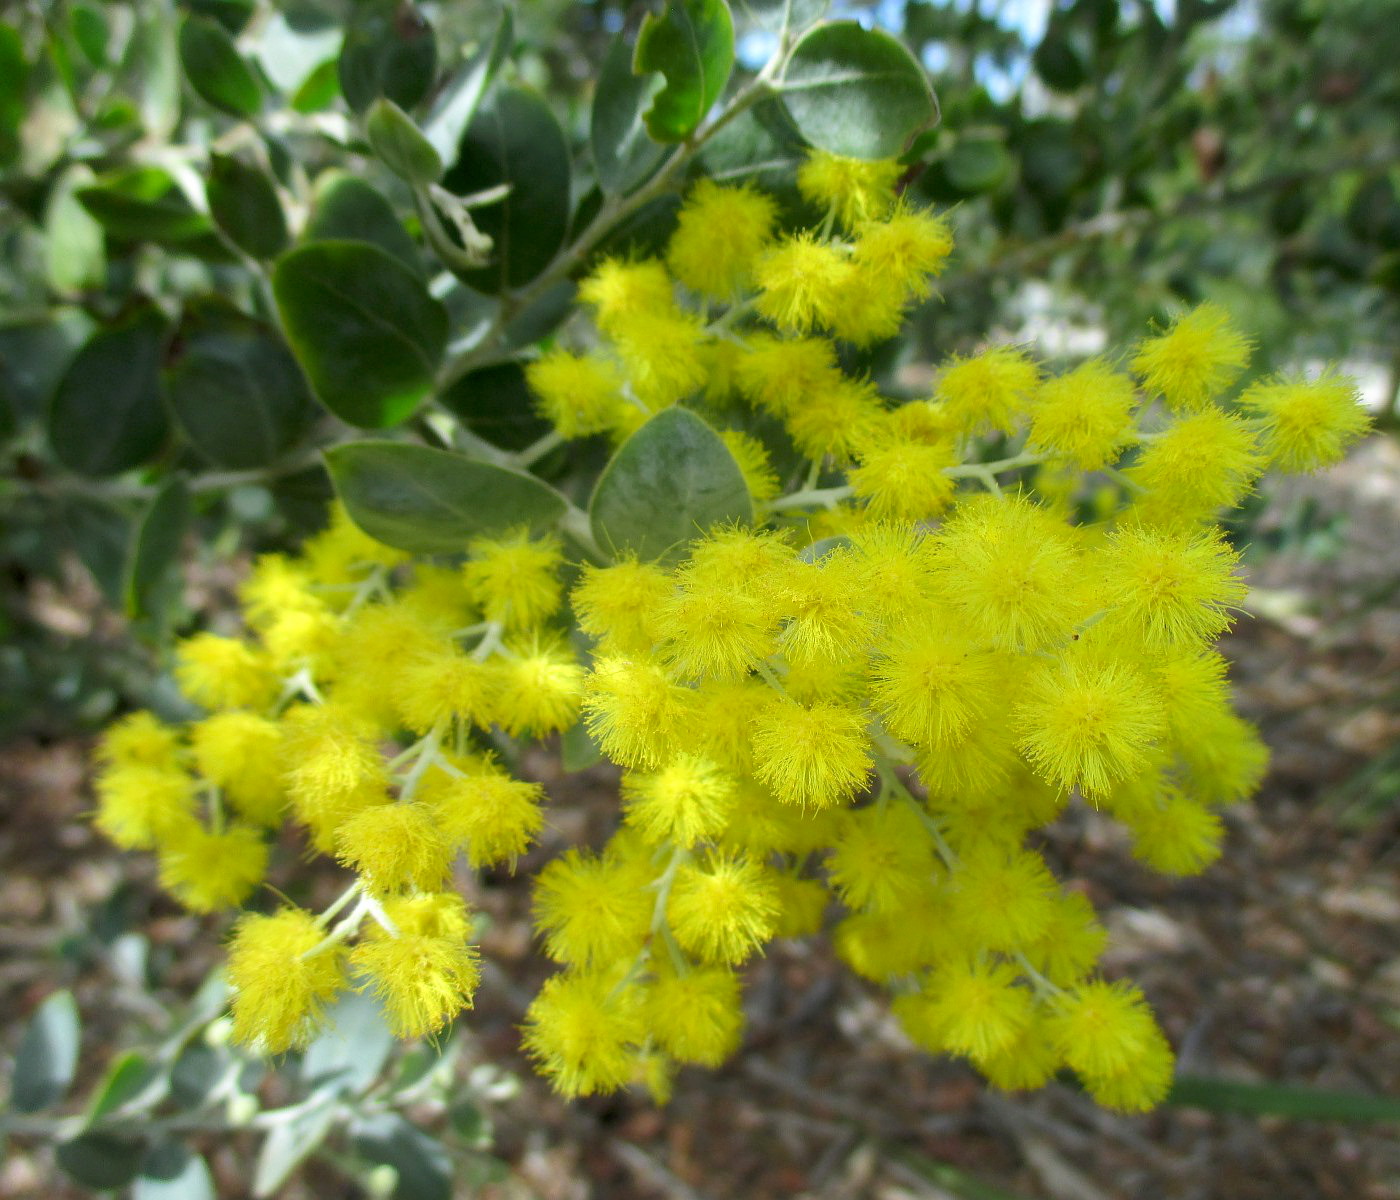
[143,204]
[431,501]
[244,205]
[48,1054]
[422,1166]
[101,1160]
[388,54]
[515,140]
[289,1142]
[363,327]
[236,390]
[455,107]
[622,152]
[129,1077]
[75,257]
[153,580]
[857,92]
[496,403]
[400,145]
[216,70]
[346,208]
[171,1172]
[692,45]
[667,484]
[106,415]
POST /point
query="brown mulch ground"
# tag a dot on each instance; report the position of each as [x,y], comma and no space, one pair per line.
[1281,963]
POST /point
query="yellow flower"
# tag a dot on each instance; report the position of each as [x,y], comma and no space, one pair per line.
[538,688]
[988,390]
[814,755]
[903,480]
[881,858]
[1084,415]
[855,189]
[592,910]
[395,847]
[1087,723]
[280,988]
[695,1017]
[724,909]
[687,801]
[1307,424]
[515,578]
[720,232]
[492,815]
[219,672]
[582,1029]
[1195,359]
[801,283]
[240,752]
[423,980]
[208,871]
[577,394]
[618,290]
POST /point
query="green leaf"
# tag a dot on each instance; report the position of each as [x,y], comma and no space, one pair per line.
[215,69]
[364,328]
[235,389]
[170,1171]
[245,206]
[48,1054]
[667,484]
[195,1073]
[345,208]
[692,45]
[127,1078]
[14,79]
[515,140]
[857,92]
[577,750]
[455,107]
[290,1142]
[318,90]
[1281,1100]
[143,204]
[387,54]
[353,1047]
[622,152]
[977,164]
[496,404]
[151,68]
[773,15]
[106,414]
[423,1166]
[400,145]
[433,501]
[101,1160]
[75,255]
[101,538]
[153,580]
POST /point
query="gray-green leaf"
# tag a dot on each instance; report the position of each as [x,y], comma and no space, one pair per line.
[363,327]
[106,415]
[216,70]
[622,152]
[236,390]
[515,140]
[48,1054]
[431,501]
[667,484]
[857,92]
[400,145]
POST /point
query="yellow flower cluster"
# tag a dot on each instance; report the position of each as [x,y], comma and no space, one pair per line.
[847,717]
